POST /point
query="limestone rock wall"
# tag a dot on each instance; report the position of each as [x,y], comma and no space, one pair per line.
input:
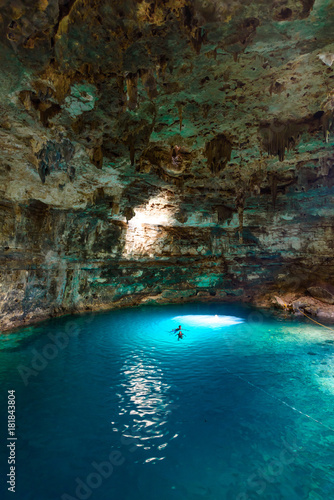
[161,151]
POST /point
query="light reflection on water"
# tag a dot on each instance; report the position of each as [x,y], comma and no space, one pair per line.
[146,401]
[193,419]
[208,321]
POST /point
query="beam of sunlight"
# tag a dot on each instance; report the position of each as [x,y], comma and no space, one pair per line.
[146,227]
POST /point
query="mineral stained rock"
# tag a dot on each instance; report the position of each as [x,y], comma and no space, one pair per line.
[322,293]
[158,151]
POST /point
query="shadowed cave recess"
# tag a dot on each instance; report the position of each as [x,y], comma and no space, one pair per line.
[165,151]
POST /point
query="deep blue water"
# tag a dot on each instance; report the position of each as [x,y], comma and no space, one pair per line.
[221,414]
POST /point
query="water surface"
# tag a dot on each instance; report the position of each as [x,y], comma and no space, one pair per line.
[241,408]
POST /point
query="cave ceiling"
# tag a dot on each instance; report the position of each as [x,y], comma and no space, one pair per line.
[196,104]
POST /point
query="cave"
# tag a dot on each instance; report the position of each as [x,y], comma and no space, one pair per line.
[167,166]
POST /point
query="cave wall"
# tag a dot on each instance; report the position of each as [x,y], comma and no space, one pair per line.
[58,261]
[163,151]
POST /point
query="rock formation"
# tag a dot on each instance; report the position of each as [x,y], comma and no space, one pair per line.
[158,151]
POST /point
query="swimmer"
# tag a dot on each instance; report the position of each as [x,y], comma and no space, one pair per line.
[177,330]
[180,335]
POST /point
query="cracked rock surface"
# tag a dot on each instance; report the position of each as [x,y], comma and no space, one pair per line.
[159,151]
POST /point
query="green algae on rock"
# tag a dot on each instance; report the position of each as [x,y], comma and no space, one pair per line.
[190,141]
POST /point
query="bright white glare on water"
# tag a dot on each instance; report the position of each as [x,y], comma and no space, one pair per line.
[211,321]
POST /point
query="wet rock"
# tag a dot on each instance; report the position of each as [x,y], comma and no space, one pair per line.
[177,294]
[298,305]
[324,293]
[279,303]
[313,311]
[203,293]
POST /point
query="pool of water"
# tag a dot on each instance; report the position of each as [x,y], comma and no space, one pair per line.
[114,406]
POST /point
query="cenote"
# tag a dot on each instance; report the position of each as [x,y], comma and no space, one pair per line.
[167,163]
[119,408]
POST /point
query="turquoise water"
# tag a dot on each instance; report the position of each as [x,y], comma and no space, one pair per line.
[118,408]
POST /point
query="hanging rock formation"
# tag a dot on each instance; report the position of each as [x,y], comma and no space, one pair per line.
[163,151]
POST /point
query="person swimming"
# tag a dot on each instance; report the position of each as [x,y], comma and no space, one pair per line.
[180,335]
[178,331]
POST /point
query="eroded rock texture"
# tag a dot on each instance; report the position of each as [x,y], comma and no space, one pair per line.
[163,150]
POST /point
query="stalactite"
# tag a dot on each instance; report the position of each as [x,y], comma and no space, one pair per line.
[240,206]
[198,39]
[132,90]
[98,195]
[280,137]
[40,102]
[97,157]
[211,54]
[180,109]
[188,15]
[261,163]
[131,143]
[274,188]
[55,156]
[115,208]
[122,93]
[327,120]
[176,159]
[163,61]
[218,152]
[307,7]
[206,108]
[129,213]
[149,83]
[47,111]
[241,223]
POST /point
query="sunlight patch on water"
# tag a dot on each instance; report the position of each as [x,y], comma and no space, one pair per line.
[239,392]
[211,321]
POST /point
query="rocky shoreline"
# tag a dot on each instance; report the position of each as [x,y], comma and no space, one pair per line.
[299,305]
[16,321]
[291,303]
